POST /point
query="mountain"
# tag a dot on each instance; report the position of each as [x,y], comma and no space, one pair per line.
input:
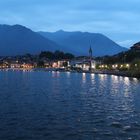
[79,42]
[17,39]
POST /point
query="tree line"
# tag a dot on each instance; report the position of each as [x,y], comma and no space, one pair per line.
[123,57]
[57,55]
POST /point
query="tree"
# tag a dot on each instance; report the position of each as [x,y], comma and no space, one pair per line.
[69,56]
[40,64]
[59,55]
[65,64]
[56,55]
[46,54]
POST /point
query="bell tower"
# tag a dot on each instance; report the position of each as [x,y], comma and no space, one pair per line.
[90,58]
[90,53]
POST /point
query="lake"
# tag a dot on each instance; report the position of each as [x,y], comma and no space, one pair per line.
[41,105]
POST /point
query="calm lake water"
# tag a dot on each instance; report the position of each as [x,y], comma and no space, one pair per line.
[68,106]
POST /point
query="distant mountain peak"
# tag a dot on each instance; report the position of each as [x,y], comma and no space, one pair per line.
[18,39]
[18,25]
[59,31]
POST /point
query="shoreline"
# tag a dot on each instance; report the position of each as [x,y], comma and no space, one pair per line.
[108,72]
[120,73]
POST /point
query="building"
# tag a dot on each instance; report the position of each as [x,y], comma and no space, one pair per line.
[15,66]
[60,64]
[85,64]
[27,66]
[4,65]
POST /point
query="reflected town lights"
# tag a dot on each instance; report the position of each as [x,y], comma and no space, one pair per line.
[68,74]
[92,76]
[115,78]
[84,77]
[58,71]
[84,74]
[135,79]
[55,74]
[121,78]
[102,76]
[126,80]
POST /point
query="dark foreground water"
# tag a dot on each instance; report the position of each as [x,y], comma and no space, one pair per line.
[68,106]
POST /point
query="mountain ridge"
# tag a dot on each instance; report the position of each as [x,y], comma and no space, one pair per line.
[100,44]
[18,39]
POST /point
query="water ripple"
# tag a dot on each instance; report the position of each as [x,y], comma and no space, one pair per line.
[66,106]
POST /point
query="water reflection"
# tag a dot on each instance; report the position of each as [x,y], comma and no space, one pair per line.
[68,74]
[92,77]
[102,77]
[115,78]
[127,81]
[55,74]
[135,80]
[84,77]
[48,107]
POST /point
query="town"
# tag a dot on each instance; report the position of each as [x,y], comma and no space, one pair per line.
[125,63]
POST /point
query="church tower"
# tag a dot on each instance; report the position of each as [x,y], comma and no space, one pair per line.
[90,53]
[90,57]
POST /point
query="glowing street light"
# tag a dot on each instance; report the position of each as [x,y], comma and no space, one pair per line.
[136,65]
[121,66]
[127,65]
[113,66]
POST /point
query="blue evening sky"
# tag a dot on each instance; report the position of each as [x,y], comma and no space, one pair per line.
[118,19]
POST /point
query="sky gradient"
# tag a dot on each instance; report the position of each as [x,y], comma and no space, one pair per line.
[118,19]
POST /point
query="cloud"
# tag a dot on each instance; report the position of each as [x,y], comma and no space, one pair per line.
[127,43]
[117,19]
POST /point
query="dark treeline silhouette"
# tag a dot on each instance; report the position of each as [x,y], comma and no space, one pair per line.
[38,58]
[56,55]
[123,57]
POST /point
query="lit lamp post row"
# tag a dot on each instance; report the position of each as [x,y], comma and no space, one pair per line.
[115,66]
[121,66]
[103,66]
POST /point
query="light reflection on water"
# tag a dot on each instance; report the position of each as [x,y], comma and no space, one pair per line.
[68,74]
[55,74]
[127,81]
[79,106]
[92,78]
[84,77]
[102,77]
